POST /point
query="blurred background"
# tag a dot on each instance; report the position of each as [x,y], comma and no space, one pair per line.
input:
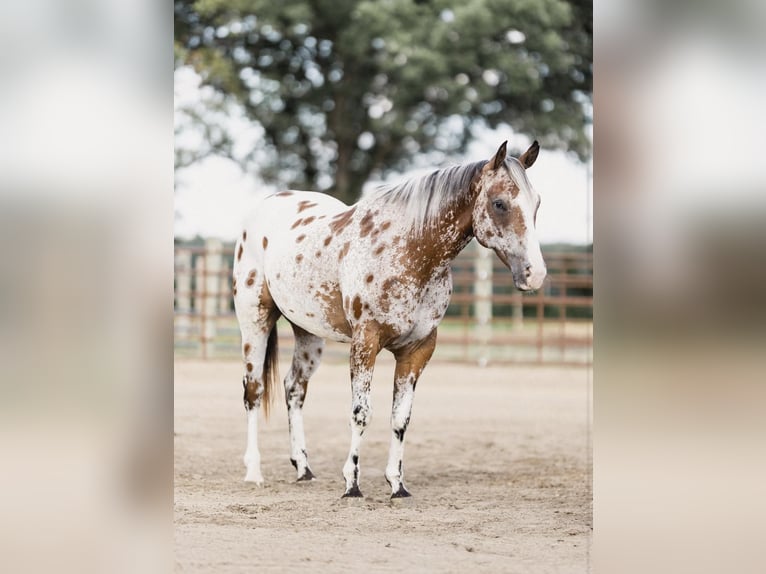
[680,384]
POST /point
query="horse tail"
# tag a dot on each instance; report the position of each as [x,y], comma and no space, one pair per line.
[270,370]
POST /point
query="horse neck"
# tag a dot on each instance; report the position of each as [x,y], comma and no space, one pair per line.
[438,244]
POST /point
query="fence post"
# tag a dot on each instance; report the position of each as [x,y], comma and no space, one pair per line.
[212,269]
[483,303]
[224,288]
[517,310]
[183,291]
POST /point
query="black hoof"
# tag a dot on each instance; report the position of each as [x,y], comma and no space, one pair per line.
[401,493]
[307,476]
[353,492]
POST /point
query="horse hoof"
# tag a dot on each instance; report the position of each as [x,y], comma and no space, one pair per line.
[353,492]
[307,476]
[401,493]
[257,481]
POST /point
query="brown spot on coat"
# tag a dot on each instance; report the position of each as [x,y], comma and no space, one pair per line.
[499,187]
[247,348]
[357,305]
[297,223]
[305,204]
[327,240]
[308,220]
[244,235]
[265,242]
[384,303]
[344,250]
[517,221]
[341,221]
[300,238]
[366,225]
[249,367]
[385,225]
[239,253]
[330,298]
[379,250]
[392,288]
[251,277]
[298,258]
[284,193]
[370,277]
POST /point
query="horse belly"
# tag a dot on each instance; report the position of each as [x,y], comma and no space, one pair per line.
[315,310]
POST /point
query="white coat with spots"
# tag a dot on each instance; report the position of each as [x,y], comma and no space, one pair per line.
[375,275]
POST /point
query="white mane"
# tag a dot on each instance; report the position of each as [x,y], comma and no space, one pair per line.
[422,199]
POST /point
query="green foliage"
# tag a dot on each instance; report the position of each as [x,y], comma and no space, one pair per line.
[412,76]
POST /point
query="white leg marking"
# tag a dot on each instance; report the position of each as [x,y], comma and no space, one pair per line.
[254,352]
[400,418]
[294,395]
[252,455]
[361,414]
[306,359]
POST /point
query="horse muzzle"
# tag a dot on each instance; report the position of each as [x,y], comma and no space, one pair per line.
[526,276]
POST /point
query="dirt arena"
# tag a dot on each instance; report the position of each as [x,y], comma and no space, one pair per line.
[497,460]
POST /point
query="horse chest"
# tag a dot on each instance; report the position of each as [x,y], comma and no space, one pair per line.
[408,309]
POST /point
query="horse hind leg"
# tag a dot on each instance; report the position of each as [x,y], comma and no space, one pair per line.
[410,362]
[257,316]
[306,359]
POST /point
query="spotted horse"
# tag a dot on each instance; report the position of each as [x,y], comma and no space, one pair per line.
[376,275]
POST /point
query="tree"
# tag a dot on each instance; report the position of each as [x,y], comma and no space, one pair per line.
[346,89]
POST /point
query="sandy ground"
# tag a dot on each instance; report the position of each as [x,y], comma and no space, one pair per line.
[497,460]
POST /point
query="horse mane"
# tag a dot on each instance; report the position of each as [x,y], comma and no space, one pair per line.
[422,199]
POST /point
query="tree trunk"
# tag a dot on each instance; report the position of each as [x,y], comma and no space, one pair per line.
[342,188]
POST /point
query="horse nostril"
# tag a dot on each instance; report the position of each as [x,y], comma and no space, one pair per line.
[528,270]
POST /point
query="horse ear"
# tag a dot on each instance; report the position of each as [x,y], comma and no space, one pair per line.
[499,157]
[528,157]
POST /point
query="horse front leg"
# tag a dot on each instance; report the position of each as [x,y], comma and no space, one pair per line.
[410,362]
[364,349]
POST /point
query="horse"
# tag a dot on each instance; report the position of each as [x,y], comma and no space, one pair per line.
[375,274]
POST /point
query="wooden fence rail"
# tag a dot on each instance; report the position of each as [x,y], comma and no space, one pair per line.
[488,320]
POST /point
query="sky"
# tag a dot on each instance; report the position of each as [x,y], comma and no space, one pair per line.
[214,196]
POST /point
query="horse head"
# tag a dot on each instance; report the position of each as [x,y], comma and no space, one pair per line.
[505,213]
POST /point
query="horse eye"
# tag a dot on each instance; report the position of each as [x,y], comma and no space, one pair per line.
[499,205]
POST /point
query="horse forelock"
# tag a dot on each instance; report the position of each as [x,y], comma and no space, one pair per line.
[519,175]
[421,200]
